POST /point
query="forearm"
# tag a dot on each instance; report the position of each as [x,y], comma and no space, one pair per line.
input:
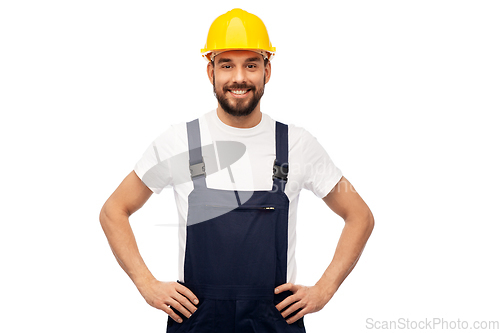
[121,239]
[352,241]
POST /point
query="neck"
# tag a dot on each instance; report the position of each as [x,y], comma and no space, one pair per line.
[253,119]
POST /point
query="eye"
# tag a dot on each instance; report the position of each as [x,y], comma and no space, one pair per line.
[251,66]
[226,66]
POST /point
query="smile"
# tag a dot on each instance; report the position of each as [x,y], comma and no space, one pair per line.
[239,93]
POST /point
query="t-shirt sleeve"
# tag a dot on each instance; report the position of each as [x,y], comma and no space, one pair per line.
[153,168]
[321,174]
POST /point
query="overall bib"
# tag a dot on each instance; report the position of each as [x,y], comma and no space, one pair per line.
[236,250]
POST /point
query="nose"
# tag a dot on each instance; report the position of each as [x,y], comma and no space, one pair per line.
[239,75]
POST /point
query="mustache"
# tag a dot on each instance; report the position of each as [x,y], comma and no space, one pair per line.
[237,86]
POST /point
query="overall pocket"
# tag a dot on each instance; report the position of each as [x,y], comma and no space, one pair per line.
[200,321]
[297,326]
[270,320]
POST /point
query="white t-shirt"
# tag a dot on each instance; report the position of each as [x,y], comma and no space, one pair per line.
[310,167]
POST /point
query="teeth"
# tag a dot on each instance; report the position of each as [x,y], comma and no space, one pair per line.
[238,92]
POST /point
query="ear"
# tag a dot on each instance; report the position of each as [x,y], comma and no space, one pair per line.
[210,72]
[267,71]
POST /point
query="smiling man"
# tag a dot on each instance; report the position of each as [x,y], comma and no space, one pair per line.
[239,85]
[246,94]
[237,266]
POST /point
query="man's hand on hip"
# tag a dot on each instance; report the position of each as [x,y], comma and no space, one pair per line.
[167,295]
[305,299]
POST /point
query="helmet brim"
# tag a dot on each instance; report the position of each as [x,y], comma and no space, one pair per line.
[209,55]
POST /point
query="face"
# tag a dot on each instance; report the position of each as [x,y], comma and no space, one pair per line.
[239,78]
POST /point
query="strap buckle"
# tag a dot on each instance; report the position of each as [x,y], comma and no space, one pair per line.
[280,171]
[198,169]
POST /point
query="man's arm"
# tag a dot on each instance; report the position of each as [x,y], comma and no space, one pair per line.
[125,200]
[359,222]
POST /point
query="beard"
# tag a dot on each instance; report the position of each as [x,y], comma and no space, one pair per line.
[241,107]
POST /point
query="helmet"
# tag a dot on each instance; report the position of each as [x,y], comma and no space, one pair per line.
[238,30]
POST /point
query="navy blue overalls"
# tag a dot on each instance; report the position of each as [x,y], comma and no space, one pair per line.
[236,250]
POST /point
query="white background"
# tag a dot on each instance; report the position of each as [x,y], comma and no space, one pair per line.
[402,94]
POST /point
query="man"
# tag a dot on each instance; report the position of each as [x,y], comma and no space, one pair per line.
[236,226]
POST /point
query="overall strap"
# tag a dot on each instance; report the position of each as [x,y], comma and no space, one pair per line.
[280,169]
[196,163]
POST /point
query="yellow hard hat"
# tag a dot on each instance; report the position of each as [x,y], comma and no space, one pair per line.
[238,30]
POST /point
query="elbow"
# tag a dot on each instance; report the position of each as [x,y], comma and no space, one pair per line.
[370,222]
[363,221]
[104,216]
[107,215]
[112,214]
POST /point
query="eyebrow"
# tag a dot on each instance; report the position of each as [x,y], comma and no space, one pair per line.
[222,60]
[253,59]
